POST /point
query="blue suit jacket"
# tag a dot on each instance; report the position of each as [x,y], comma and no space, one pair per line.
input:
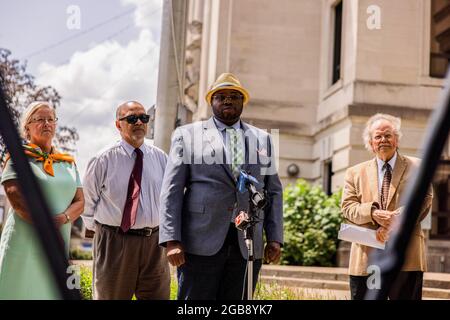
[199,192]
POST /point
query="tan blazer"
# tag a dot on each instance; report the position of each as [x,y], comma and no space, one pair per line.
[361,192]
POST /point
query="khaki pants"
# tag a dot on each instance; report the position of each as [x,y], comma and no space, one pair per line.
[128,264]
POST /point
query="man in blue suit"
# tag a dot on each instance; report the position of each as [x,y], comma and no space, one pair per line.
[200,199]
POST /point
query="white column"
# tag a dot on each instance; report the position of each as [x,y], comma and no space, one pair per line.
[171,70]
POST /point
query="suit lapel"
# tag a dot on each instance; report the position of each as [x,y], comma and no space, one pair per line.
[397,174]
[372,175]
[213,136]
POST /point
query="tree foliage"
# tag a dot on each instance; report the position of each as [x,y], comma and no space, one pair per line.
[20,90]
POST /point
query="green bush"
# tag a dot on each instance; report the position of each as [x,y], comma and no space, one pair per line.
[86,283]
[311,224]
[77,254]
[173,288]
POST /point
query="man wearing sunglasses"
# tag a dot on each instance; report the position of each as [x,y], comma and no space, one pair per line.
[200,199]
[123,186]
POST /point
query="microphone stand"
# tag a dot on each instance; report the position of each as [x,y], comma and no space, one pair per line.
[246,222]
[248,236]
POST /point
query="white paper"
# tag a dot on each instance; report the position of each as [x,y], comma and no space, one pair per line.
[364,236]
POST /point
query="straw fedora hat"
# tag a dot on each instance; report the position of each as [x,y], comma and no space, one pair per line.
[227,81]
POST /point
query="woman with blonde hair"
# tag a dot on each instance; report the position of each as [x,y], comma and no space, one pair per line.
[24,271]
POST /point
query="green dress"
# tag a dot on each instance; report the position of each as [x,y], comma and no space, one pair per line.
[24,270]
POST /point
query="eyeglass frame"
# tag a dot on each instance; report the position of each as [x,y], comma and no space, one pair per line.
[43,120]
[234,97]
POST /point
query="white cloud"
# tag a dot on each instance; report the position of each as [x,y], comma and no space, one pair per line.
[144,16]
[94,82]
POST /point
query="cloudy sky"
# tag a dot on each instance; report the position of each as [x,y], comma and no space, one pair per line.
[112,57]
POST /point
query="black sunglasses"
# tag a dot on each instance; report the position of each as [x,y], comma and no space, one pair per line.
[132,118]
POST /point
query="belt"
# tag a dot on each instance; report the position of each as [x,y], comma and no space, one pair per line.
[144,232]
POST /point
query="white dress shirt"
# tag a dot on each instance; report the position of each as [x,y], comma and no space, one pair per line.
[106,184]
[381,171]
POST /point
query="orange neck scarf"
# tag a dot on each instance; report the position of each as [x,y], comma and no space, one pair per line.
[35,152]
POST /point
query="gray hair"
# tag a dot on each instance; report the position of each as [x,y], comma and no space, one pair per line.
[395,122]
[29,111]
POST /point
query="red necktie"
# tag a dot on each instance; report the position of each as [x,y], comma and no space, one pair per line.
[134,189]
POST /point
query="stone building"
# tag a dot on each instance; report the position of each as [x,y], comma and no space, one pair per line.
[317,70]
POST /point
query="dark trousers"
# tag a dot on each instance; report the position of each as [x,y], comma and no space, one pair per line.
[217,277]
[407,286]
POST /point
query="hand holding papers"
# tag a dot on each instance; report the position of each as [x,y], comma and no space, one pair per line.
[364,236]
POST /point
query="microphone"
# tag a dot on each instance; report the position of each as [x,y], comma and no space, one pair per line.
[244,179]
[248,182]
[242,221]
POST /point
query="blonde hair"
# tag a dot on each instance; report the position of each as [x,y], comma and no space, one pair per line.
[394,121]
[29,111]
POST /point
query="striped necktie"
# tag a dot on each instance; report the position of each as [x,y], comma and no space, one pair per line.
[385,186]
[236,152]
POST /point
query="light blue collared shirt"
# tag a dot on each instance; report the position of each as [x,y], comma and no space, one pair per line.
[222,127]
[106,184]
[381,171]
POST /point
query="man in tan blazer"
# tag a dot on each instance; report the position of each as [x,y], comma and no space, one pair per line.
[371,199]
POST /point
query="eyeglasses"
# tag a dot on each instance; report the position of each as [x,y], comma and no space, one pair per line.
[132,118]
[43,120]
[380,137]
[223,97]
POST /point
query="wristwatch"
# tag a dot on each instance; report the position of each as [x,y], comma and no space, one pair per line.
[67,218]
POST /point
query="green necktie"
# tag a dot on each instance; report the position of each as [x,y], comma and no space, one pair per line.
[236,151]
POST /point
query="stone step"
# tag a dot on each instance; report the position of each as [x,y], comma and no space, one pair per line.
[320,273]
[305,283]
[431,279]
[438,294]
[341,288]
[436,280]
[436,285]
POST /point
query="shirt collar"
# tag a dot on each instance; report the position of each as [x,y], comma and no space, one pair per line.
[130,149]
[391,162]
[222,126]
